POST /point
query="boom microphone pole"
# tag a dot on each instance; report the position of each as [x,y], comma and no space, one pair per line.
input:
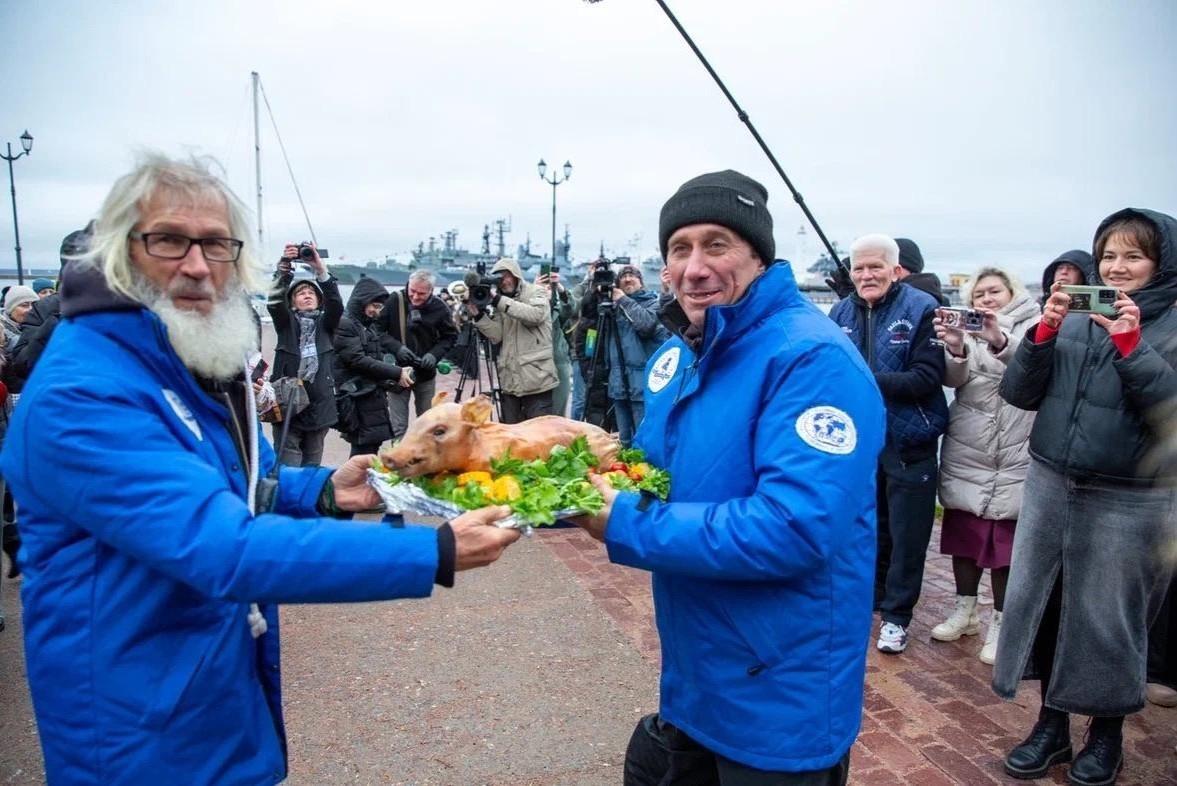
[752,129]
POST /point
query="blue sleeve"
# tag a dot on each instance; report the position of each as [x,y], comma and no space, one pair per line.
[805,501]
[158,502]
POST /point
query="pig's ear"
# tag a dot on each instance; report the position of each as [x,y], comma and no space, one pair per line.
[477,410]
[439,398]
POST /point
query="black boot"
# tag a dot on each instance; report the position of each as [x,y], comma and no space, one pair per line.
[1048,744]
[11,545]
[1102,758]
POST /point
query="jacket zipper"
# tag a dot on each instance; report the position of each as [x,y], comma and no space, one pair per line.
[686,376]
[868,337]
[238,437]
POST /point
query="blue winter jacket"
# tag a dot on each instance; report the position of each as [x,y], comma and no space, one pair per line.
[896,337]
[641,334]
[141,557]
[763,558]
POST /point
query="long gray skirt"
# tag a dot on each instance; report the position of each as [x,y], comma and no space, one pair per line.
[1114,546]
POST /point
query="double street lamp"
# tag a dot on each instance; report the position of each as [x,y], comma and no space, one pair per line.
[26,141]
[554,180]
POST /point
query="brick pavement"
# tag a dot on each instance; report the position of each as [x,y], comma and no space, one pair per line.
[930,718]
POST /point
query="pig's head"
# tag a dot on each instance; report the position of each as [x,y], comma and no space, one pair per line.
[440,439]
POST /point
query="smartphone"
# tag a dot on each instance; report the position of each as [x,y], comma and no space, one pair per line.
[545,269]
[965,319]
[1091,299]
[259,371]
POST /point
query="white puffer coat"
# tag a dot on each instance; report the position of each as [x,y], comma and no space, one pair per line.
[985,453]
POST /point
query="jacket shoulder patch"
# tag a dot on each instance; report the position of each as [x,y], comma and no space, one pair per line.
[182,412]
[827,429]
[663,369]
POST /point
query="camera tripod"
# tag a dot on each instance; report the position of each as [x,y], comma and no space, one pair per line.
[598,408]
[471,344]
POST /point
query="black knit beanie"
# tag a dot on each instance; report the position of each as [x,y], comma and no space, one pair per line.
[726,198]
[909,255]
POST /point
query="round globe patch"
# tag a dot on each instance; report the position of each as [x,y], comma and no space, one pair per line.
[663,369]
[828,429]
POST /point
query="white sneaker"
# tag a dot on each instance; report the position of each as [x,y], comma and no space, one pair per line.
[989,651]
[962,622]
[892,638]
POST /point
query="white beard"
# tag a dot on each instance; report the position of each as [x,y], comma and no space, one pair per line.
[212,346]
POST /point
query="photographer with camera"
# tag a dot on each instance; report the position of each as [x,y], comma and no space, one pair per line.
[633,312]
[306,309]
[563,307]
[1089,572]
[363,373]
[419,330]
[521,325]
[983,457]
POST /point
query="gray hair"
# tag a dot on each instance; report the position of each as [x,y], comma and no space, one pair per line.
[423,275]
[1011,282]
[191,180]
[882,244]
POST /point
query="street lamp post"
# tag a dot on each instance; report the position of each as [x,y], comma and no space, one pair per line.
[554,180]
[26,141]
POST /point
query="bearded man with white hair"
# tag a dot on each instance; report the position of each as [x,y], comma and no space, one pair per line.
[152,554]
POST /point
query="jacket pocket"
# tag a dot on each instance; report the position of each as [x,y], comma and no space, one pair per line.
[177,678]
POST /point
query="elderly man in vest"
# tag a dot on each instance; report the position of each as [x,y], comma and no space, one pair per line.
[892,327]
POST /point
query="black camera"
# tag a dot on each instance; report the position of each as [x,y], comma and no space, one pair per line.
[482,291]
[307,253]
[603,280]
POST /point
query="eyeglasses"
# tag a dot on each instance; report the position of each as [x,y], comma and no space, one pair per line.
[167,245]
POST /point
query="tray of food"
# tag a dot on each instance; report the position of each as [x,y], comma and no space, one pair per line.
[454,458]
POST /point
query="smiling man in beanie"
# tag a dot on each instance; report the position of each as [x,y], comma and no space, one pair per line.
[770,425]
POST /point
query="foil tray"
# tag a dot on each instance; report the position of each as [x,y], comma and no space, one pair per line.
[402,498]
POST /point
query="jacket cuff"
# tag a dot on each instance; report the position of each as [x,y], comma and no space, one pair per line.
[1044,333]
[446,556]
[1127,342]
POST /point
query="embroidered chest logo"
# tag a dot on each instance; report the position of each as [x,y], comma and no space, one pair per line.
[663,369]
[827,429]
[183,413]
[900,331]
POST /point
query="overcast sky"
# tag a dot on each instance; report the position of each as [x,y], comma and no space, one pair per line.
[991,133]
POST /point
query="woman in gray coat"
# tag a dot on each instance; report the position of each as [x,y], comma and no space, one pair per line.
[983,458]
[1099,516]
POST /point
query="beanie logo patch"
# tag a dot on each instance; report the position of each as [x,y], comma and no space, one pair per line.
[745,200]
[182,412]
[663,370]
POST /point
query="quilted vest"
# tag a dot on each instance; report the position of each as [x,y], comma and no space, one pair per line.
[884,335]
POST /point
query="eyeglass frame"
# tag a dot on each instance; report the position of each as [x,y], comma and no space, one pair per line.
[200,241]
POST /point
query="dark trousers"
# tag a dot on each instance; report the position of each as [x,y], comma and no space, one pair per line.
[1162,642]
[906,508]
[302,448]
[660,754]
[517,409]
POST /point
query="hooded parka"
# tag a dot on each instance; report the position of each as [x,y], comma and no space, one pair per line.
[1099,511]
[522,327]
[362,372]
[984,454]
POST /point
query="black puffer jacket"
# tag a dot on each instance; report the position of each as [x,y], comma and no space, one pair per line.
[35,333]
[361,371]
[1080,259]
[321,389]
[433,332]
[1101,415]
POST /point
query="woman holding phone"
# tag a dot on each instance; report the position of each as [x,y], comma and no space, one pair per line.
[983,457]
[1092,555]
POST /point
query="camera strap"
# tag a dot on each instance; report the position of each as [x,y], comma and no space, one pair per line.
[400,312]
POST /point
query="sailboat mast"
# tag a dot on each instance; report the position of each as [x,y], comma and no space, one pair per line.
[257,164]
